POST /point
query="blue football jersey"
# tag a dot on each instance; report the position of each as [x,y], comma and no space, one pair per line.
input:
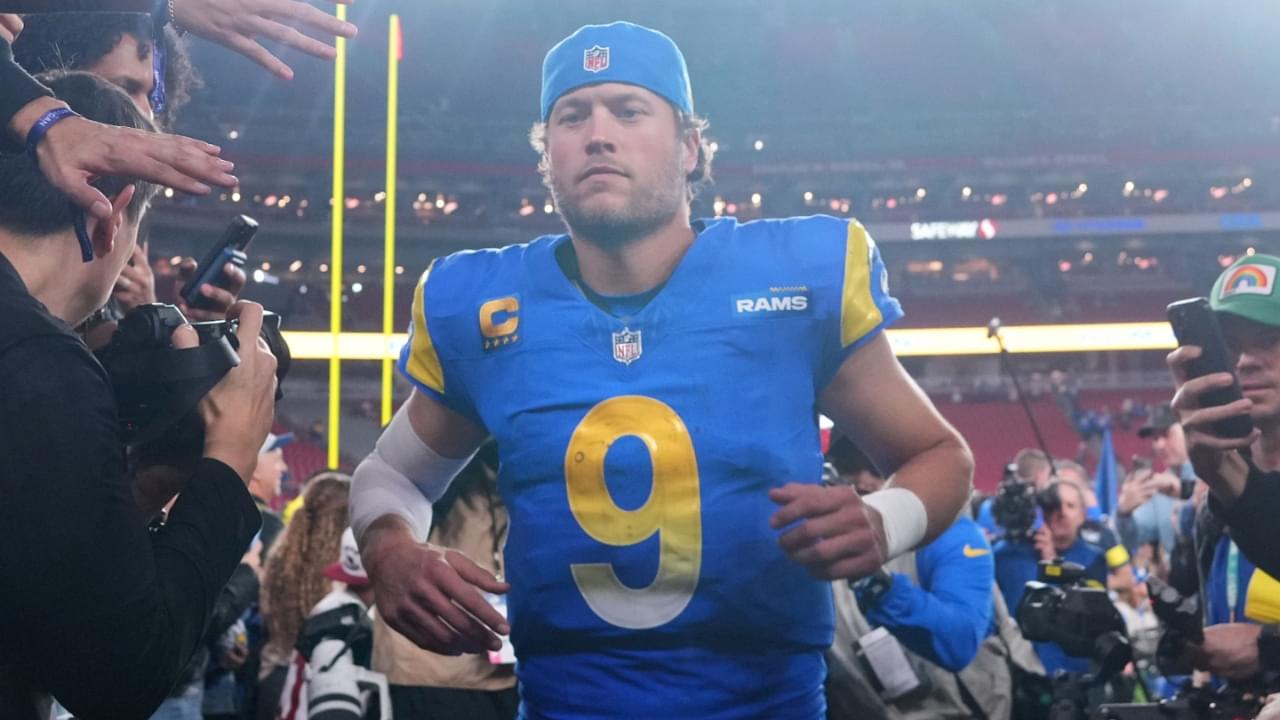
[637,454]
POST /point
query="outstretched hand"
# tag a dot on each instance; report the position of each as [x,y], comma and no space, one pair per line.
[237,25]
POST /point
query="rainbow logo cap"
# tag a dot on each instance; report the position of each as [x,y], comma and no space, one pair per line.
[1248,288]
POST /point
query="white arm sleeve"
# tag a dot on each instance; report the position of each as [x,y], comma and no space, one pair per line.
[402,476]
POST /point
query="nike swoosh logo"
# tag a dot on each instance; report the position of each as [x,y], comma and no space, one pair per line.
[973,552]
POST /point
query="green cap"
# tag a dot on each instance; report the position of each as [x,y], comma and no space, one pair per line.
[1248,288]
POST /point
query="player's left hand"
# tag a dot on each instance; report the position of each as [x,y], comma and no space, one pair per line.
[837,535]
[222,299]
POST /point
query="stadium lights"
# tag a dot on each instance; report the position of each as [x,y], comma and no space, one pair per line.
[759,145]
[1099,337]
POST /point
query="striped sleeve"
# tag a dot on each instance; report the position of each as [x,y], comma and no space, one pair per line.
[420,361]
[865,307]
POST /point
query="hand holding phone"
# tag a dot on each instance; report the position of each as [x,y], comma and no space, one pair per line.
[1194,323]
[230,248]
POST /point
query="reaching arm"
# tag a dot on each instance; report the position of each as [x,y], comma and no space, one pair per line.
[422,449]
[428,594]
[874,401]
[886,414]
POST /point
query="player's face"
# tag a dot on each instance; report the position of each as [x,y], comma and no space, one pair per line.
[618,162]
[128,66]
[1256,348]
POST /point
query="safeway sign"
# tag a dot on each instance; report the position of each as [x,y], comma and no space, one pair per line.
[964,230]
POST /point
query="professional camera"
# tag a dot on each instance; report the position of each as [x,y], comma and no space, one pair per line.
[1184,627]
[1060,608]
[157,387]
[1192,704]
[1015,507]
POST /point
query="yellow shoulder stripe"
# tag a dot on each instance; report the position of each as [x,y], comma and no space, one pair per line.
[858,312]
[1262,599]
[424,363]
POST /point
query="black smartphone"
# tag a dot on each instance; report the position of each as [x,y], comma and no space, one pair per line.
[1194,323]
[229,249]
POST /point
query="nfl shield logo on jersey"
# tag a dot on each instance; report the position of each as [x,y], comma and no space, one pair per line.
[626,346]
[595,59]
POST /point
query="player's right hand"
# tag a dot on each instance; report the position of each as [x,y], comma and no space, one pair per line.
[431,594]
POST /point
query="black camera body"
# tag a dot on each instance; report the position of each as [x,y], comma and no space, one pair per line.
[1191,704]
[1014,507]
[157,386]
[1184,627]
[1060,608]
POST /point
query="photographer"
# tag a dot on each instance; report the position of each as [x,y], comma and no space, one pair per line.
[1016,559]
[1235,530]
[108,613]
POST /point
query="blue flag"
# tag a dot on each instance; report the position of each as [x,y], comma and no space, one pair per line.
[1106,484]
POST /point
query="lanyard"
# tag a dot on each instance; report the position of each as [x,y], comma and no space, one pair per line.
[1233,578]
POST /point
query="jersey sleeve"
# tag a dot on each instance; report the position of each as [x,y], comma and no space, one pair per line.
[861,304]
[421,357]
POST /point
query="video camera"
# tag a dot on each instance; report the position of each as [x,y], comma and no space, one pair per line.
[1016,506]
[1060,608]
[157,386]
[1174,656]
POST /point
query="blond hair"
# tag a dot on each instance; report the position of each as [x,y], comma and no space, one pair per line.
[294,571]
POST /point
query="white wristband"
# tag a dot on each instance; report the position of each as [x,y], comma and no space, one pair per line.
[904,518]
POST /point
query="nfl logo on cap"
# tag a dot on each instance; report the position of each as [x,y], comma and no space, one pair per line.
[595,59]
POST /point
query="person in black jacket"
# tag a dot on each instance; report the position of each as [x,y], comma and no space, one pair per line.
[1243,474]
[108,613]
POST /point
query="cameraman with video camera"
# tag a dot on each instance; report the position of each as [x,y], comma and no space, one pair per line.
[108,613]
[1235,530]
[1017,557]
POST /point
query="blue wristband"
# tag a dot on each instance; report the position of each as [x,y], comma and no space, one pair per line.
[46,121]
